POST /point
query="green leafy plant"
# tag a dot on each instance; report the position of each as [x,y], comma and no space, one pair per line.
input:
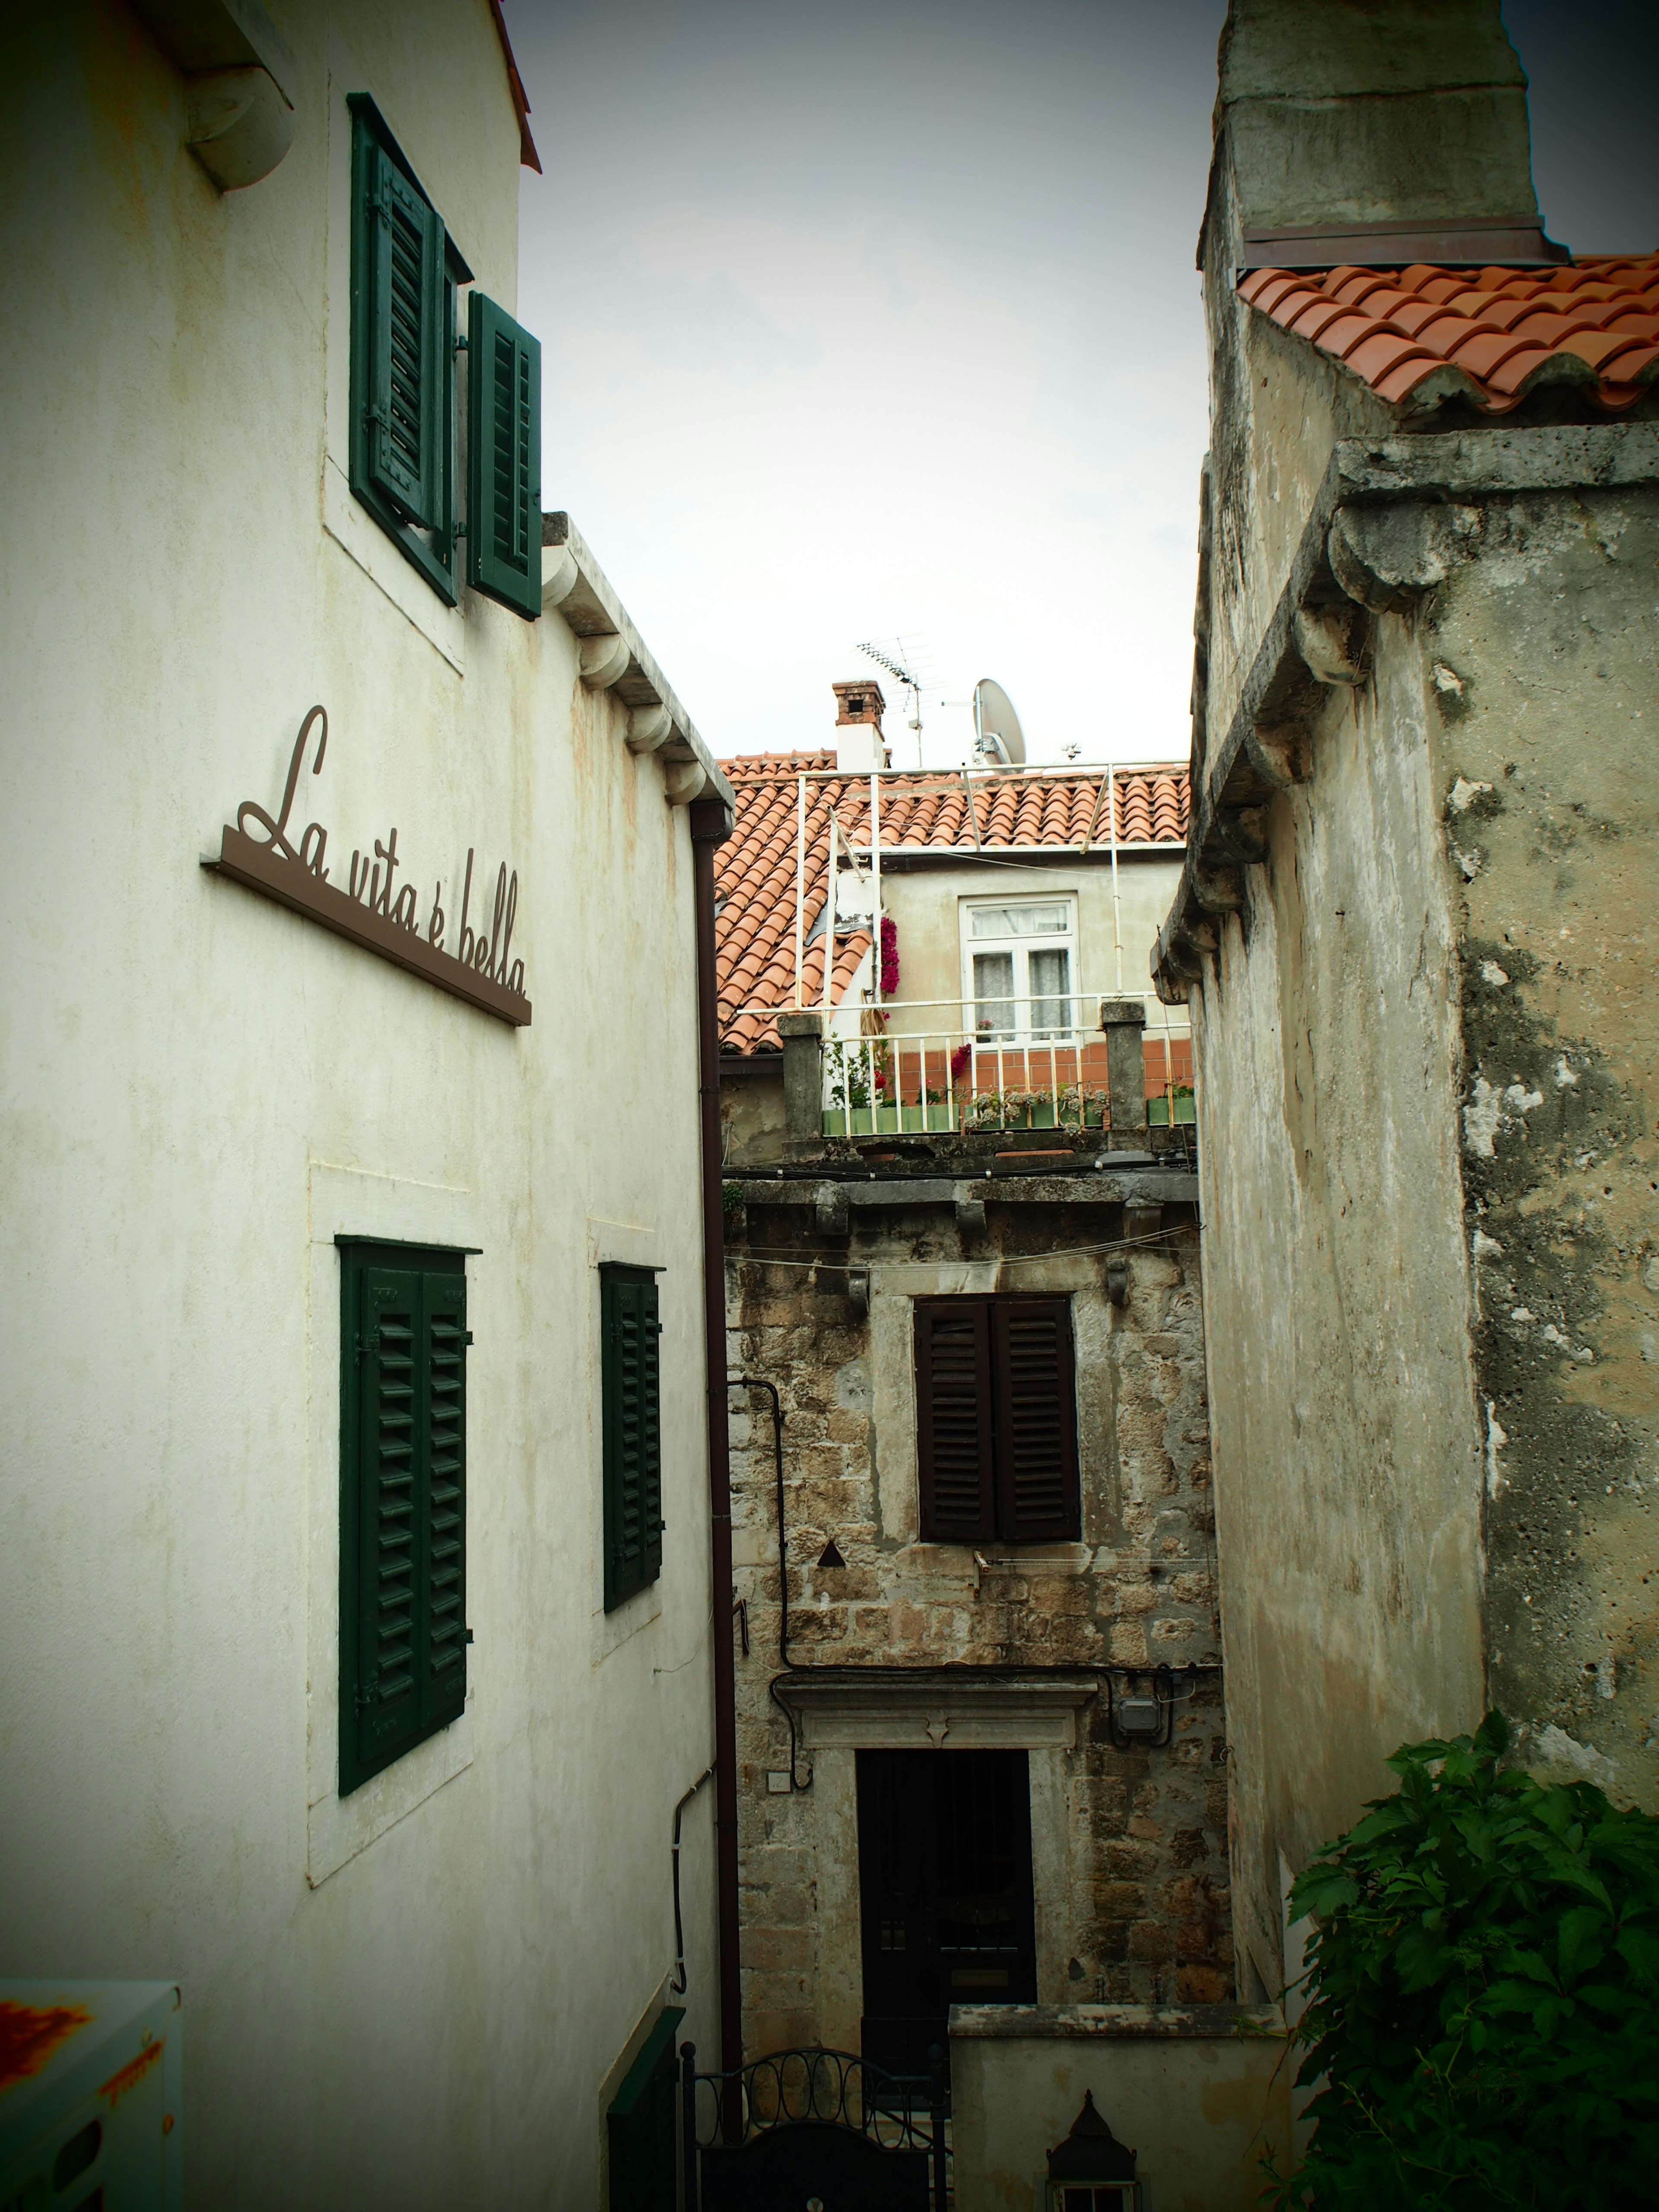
[1482,2021]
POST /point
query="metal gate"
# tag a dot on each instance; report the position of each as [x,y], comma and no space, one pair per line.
[813,2127]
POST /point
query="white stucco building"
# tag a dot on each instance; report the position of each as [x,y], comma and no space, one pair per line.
[318,1190]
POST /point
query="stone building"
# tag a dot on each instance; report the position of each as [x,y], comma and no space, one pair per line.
[1415,932]
[979,1719]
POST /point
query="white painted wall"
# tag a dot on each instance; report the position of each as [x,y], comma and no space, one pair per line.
[413,1997]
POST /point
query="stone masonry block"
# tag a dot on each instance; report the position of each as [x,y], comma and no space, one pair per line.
[1150,1943]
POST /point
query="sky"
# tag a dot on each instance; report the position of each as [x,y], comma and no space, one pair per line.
[879,323]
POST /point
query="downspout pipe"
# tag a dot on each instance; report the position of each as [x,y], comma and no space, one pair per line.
[711,825]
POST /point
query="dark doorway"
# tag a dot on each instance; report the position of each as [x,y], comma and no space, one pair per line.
[944,1868]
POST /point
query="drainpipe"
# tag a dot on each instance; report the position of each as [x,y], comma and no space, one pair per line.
[711,824]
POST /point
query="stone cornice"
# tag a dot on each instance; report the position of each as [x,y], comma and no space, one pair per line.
[1392,518]
[615,658]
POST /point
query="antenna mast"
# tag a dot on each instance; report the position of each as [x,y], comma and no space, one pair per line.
[897,669]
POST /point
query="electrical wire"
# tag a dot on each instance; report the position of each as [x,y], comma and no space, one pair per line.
[762,1255]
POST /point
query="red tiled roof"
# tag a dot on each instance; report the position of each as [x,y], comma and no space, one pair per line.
[755,869]
[1423,335]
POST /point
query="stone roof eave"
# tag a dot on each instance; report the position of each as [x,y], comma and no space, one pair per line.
[1349,567]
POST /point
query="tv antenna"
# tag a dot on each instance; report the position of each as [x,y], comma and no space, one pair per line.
[896,667]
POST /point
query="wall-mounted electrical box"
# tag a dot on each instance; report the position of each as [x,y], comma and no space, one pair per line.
[91,2076]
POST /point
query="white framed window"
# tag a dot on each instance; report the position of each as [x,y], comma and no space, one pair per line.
[1019,967]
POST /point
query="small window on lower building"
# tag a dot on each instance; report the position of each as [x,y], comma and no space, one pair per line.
[402,1500]
[629,1331]
[996,1421]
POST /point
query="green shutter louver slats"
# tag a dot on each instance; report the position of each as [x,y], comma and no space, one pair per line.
[386,1702]
[444,1688]
[408,369]
[1037,1420]
[650,1436]
[504,455]
[632,1431]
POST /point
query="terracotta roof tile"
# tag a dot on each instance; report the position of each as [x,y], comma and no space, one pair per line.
[1429,335]
[755,869]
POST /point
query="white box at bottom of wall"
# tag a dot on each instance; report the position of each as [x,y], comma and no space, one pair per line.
[91,2075]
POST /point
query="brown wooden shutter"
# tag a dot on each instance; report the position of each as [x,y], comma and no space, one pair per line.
[1037,1498]
[953,1421]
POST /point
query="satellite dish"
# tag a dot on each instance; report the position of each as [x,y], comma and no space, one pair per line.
[997,734]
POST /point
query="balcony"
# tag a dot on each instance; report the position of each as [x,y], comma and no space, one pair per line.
[1013,1063]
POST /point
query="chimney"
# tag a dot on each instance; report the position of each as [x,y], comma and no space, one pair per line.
[859,743]
[1348,131]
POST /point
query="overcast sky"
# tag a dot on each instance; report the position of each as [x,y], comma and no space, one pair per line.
[880,321]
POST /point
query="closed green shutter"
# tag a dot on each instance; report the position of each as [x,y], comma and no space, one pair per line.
[504,458]
[403,1499]
[404,269]
[632,1430]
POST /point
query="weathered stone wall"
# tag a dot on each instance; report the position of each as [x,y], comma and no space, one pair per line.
[1347,1461]
[1129,1846]
[1543,661]
[1426,1058]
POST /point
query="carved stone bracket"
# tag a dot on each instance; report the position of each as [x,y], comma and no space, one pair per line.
[604,661]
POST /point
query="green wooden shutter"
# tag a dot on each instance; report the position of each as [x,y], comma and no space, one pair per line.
[404,272]
[641,2124]
[954,1449]
[408,378]
[403,1523]
[632,1431]
[504,458]
[1037,1493]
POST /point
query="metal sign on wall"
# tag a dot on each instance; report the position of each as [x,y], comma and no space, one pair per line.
[375,911]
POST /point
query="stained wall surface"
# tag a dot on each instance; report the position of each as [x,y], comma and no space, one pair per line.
[414,1995]
[1543,663]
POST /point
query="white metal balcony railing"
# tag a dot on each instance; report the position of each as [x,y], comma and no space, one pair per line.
[1038,1063]
[886,1071]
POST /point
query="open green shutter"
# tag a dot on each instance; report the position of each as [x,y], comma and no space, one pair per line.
[408,362]
[632,1432]
[443,1685]
[504,458]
